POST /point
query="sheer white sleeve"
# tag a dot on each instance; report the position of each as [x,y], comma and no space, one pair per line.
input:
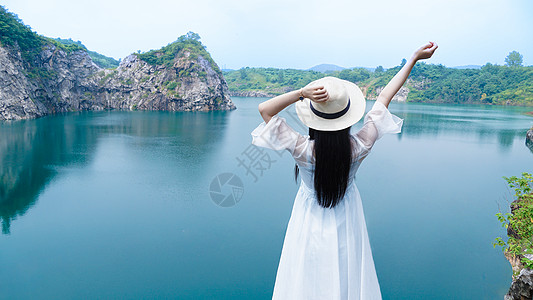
[378,121]
[278,135]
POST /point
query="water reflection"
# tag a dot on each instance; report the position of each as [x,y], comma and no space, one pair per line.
[477,124]
[32,151]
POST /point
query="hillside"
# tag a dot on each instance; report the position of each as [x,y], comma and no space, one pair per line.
[490,84]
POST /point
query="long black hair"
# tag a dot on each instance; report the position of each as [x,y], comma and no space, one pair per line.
[333,157]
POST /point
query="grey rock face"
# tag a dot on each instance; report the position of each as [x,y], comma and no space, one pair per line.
[522,287]
[15,98]
[73,82]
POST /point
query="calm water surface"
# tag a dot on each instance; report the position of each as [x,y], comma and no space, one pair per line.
[117,204]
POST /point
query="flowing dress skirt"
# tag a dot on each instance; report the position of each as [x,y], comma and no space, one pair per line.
[326,253]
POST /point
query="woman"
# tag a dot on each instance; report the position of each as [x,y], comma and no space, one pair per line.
[326,253]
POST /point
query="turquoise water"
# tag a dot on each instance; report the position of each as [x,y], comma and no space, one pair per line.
[118,204]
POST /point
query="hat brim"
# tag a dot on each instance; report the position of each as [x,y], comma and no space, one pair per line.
[352,116]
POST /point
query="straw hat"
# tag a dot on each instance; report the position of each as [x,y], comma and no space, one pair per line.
[346,106]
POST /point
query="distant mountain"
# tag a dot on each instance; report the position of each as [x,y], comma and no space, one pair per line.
[326,68]
[467,67]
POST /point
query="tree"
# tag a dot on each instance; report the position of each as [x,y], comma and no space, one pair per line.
[243,73]
[281,76]
[193,36]
[190,36]
[514,59]
[379,69]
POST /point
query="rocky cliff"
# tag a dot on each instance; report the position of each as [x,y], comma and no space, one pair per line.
[58,80]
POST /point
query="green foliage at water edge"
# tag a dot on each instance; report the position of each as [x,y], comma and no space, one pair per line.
[519,222]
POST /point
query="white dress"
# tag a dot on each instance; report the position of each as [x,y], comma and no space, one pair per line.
[326,253]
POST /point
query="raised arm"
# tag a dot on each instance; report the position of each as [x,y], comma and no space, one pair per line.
[399,79]
[272,107]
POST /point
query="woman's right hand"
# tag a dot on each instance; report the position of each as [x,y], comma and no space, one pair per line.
[315,93]
[425,51]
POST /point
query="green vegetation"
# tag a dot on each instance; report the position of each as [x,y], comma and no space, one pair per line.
[67,45]
[103,61]
[13,33]
[108,76]
[166,55]
[171,85]
[519,223]
[491,84]
[100,60]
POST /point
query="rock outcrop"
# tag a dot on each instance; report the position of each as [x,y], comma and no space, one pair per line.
[400,96]
[529,139]
[62,81]
[522,286]
[251,94]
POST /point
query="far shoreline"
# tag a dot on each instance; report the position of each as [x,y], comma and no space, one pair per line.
[265,94]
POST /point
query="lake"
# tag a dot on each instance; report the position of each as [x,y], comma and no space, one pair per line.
[133,205]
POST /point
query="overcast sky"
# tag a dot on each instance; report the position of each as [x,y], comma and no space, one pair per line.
[294,34]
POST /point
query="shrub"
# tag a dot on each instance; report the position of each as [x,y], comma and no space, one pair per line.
[519,222]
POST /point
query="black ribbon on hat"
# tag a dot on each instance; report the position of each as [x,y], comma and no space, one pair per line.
[330,116]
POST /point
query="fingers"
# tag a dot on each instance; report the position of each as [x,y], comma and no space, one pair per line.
[316,93]
[429,46]
[320,94]
[431,50]
[427,50]
[433,46]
